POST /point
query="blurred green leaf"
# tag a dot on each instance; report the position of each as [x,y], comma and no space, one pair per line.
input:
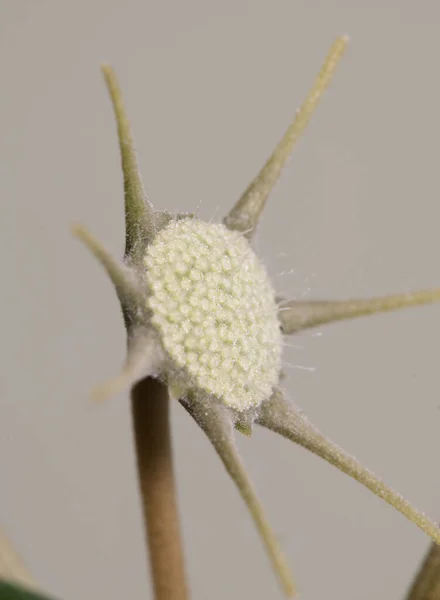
[12,591]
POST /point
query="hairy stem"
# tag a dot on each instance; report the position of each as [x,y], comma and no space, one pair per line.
[150,408]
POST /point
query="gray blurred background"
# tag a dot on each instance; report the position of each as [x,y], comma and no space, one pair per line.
[210,87]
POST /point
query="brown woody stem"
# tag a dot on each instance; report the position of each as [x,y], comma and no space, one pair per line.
[150,407]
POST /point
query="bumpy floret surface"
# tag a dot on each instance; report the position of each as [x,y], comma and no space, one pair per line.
[214,307]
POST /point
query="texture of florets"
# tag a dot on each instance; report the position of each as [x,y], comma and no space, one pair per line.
[214,307]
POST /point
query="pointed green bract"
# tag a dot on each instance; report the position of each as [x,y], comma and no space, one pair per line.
[216,421]
[144,359]
[123,279]
[280,416]
[139,214]
[245,214]
[297,315]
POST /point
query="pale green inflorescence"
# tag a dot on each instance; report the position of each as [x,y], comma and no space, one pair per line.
[215,309]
